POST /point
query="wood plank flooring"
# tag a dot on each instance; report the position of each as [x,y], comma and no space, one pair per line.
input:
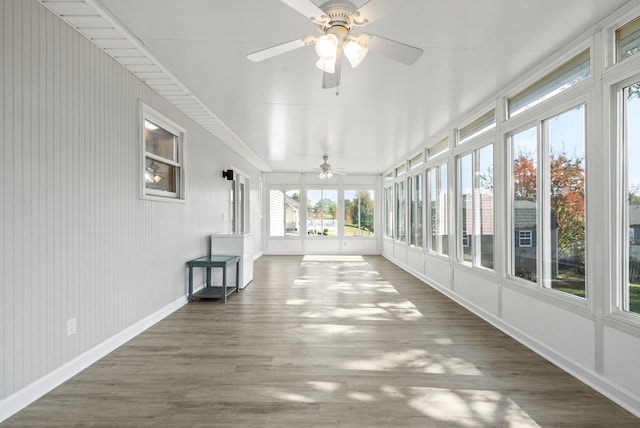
[324,341]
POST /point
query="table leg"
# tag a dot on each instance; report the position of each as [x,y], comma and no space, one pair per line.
[224,282]
[238,276]
[190,284]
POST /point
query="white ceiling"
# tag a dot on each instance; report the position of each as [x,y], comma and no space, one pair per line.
[385,110]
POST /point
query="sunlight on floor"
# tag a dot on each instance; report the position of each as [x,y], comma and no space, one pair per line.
[403,310]
[329,329]
[296,302]
[420,360]
[469,407]
[336,281]
[461,407]
[332,258]
[324,386]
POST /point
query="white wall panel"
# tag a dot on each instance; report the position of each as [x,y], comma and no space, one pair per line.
[483,291]
[321,246]
[360,246]
[415,259]
[551,325]
[76,239]
[622,352]
[400,252]
[284,246]
[438,270]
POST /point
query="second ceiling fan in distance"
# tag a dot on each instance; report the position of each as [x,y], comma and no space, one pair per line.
[335,19]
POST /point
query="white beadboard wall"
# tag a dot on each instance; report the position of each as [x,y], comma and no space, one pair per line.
[76,239]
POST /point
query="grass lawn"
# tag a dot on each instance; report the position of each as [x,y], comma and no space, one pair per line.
[576,288]
[354,231]
[634,298]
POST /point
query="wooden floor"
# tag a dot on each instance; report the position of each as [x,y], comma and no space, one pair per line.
[324,341]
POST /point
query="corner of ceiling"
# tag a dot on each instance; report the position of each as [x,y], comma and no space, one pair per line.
[101,28]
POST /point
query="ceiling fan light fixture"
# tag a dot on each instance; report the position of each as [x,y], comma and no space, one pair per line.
[329,174]
[327,65]
[327,46]
[355,52]
[322,175]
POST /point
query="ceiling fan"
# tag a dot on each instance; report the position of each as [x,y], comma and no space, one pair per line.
[335,19]
[325,169]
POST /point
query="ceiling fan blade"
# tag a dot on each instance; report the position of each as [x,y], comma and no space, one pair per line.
[332,80]
[278,49]
[397,51]
[376,9]
[306,8]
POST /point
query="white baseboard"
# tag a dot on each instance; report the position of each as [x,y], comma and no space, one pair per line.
[30,393]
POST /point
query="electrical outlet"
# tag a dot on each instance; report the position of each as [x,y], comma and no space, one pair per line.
[71,327]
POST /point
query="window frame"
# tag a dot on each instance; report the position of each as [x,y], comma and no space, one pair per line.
[433,190]
[358,189]
[415,234]
[284,190]
[473,148]
[619,295]
[389,202]
[400,226]
[149,114]
[337,220]
[535,118]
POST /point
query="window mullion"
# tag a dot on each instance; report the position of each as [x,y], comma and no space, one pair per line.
[543,243]
[161,159]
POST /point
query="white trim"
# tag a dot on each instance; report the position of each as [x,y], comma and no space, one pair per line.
[148,112]
[30,393]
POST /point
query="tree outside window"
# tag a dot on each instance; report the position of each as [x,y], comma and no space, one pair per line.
[322,212]
[358,213]
[560,227]
[631,117]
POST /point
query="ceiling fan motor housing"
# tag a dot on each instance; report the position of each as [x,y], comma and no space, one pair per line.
[340,14]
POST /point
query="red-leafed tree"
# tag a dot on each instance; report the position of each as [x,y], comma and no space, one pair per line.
[524,177]
[567,201]
[567,196]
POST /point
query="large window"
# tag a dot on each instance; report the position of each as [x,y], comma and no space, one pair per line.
[524,218]
[163,170]
[401,203]
[476,210]
[358,213]
[548,207]
[433,208]
[466,207]
[439,209]
[284,212]
[484,211]
[388,212]
[415,211]
[565,210]
[322,212]
[630,300]
[443,212]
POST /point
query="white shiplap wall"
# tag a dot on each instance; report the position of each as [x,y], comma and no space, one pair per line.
[75,238]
